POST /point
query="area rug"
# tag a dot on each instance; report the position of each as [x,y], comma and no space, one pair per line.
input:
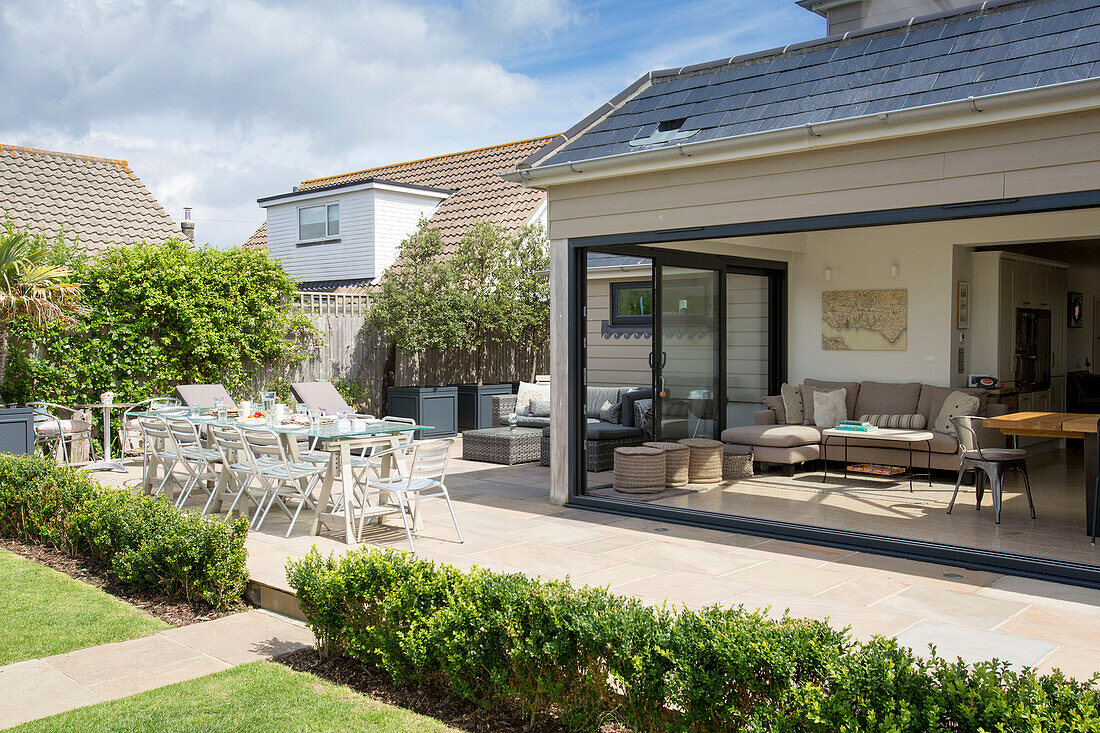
[886,490]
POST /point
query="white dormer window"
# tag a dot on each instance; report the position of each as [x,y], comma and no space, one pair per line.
[318,222]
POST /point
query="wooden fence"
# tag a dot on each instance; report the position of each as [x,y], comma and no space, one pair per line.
[348,352]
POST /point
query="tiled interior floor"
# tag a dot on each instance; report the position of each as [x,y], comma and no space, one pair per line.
[885,506]
[509,525]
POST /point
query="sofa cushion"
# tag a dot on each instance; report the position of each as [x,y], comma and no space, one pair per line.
[794,411]
[596,396]
[608,431]
[776,436]
[628,398]
[526,392]
[886,398]
[914,421]
[540,406]
[932,397]
[530,421]
[775,404]
[829,408]
[808,392]
[851,392]
[957,404]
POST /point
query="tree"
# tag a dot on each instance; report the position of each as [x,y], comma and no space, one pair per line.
[417,306]
[32,287]
[478,267]
[525,291]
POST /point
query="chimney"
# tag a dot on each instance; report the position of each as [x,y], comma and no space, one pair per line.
[844,16]
[187,226]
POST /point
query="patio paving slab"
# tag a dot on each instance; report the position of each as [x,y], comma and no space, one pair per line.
[864,622]
[952,640]
[34,689]
[791,576]
[694,590]
[952,607]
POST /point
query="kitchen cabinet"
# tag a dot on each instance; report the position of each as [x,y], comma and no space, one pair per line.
[1031,285]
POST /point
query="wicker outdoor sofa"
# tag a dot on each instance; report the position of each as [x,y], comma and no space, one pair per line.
[602,436]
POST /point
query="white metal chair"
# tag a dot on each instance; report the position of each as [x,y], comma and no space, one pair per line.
[129,434]
[58,429]
[238,476]
[422,478]
[407,436]
[278,477]
[198,463]
[158,447]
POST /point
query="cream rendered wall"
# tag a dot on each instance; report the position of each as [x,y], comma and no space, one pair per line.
[860,260]
[1080,341]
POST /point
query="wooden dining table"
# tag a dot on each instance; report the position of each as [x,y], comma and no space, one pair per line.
[1058,425]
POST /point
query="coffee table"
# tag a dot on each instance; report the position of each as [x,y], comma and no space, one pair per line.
[507,446]
[886,435]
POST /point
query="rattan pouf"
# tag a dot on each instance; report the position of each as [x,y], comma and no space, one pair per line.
[736,462]
[639,470]
[676,462]
[705,460]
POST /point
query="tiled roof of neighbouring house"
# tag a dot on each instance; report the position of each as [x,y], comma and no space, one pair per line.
[1008,46]
[474,176]
[258,240]
[98,200]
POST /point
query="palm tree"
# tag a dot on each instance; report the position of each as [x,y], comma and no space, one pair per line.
[31,287]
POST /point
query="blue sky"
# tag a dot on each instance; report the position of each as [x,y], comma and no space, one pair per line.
[216,103]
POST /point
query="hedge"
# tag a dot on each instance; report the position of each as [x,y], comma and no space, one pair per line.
[588,657]
[144,541]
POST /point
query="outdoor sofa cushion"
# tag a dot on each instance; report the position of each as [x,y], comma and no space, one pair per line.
[629,397]
[884,398]
[203,395]
[530,421]
[596,396]
[68,427]
[320,396]
[775,436]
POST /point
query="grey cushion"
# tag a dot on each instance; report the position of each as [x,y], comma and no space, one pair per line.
[530,421]
[320,396]
[203,395]
[776,436]
[851,392]
[596,396]
[997,454]
[807,391]
[629,397]
[885,398]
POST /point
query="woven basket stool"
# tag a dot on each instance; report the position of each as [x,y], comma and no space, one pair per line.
[705,460]
[736,462]
[676,462]
[639,470]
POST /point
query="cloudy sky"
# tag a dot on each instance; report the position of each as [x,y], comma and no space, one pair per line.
[218,103]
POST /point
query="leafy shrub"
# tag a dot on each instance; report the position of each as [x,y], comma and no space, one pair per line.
[159,315]
[144,541]
[587,657]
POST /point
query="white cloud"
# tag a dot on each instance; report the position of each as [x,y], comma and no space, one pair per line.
[217,103]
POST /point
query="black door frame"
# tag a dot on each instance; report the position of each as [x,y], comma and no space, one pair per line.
[634,243]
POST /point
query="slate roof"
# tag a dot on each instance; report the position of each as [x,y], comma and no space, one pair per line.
[1008,46]
[474,176]
[99,201]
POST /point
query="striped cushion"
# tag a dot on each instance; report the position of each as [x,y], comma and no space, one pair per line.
[904,422]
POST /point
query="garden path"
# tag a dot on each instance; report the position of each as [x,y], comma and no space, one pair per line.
[38,688]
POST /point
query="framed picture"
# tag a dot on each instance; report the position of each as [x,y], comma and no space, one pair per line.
[962,304]
[1075,310]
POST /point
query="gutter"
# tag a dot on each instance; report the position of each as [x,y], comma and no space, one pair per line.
[1068,97]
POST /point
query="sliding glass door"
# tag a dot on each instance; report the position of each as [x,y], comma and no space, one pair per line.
[686,360]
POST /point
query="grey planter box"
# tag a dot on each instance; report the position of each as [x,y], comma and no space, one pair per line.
[475,404]
[435,406]
[17,430]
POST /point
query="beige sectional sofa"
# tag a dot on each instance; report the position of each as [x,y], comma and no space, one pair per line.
[773,441]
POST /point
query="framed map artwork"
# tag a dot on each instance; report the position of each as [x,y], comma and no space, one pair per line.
[865,320]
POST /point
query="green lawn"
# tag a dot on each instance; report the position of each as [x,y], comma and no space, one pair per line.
[257,697]
[46,612]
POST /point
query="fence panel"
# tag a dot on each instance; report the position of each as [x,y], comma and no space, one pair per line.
[348,352]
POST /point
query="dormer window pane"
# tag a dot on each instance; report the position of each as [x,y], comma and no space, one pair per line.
[311,223]
[333,219]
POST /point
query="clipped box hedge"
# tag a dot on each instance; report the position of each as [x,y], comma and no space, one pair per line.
[144,541]
[589,657]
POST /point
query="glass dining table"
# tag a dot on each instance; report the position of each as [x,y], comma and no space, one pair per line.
[342,439]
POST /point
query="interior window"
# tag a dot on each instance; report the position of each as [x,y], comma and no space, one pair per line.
[632,303]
